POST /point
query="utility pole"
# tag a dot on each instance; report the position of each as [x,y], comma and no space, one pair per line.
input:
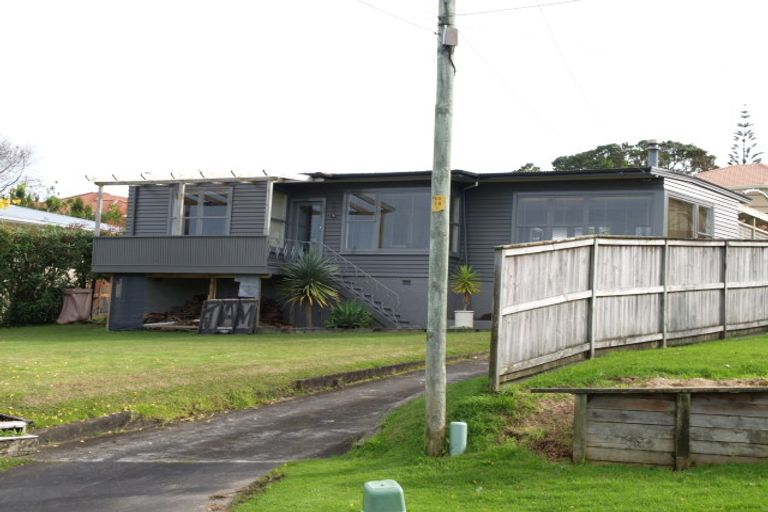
[435,380]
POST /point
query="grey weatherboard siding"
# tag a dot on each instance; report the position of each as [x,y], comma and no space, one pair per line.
[491,218]
[149,209]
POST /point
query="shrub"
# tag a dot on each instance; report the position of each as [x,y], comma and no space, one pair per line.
[465,281]
[350,315]
[35,266]
[308,281]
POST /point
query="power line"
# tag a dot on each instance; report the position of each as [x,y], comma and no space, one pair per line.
[568,66]
[508,86]
[398,17]
[519,8]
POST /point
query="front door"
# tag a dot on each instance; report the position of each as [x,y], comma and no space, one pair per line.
[308,223]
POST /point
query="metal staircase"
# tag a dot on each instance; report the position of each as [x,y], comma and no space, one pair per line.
[354,282]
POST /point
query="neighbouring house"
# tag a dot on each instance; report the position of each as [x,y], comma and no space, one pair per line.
[92,199]
[229,235]
[20,216]
[752,181]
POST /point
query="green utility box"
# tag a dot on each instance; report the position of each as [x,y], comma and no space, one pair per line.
[383,496]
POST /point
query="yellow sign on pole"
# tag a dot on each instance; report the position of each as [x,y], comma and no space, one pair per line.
[438,203]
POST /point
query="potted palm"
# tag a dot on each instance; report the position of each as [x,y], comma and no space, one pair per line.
[308,281]
[465,281]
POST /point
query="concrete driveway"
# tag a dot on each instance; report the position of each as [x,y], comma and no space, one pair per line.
[199,466]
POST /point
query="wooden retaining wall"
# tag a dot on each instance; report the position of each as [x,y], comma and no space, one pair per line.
[561,301]
[675,427]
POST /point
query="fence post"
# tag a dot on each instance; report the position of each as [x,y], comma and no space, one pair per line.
[493,366]
[580,428]
[593,299]
[724,305]
[664,280]
[682,431]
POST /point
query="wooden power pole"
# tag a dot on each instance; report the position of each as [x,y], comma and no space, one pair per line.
[437,316]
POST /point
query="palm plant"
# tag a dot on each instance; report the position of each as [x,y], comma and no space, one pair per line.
[466,282]
[309,281]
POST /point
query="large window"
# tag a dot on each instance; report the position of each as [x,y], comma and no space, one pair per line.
[205,211]
[387,219]
[689,220]
[557,217]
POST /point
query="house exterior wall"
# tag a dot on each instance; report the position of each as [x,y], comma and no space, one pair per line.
[491,219]
[487,216]
[404,272]
[726,210]
[149,209]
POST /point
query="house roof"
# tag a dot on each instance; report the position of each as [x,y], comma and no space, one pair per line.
[93,196]
[543,176]
[18,215]
[738,177]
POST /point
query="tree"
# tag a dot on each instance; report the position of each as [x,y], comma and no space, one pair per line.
[76,208]
[675,156]
[13,161]
[21,195]
[113,215]
[529,167]
[308,281]
[744,143]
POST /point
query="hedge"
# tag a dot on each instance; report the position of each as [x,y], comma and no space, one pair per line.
[36,265]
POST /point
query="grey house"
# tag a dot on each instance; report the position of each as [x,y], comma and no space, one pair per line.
[185,235]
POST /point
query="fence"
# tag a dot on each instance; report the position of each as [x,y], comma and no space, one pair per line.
[556,302]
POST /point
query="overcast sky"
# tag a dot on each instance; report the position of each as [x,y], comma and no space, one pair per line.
[101,87]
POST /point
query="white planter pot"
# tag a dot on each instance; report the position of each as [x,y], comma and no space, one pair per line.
[464,319]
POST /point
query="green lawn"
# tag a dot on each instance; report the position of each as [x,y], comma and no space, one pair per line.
[59,374]
[499,473]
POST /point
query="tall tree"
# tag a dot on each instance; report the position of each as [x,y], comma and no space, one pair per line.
[13,160]
[744,143]
[529,167]
[675,156]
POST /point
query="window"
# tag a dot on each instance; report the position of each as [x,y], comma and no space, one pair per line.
[277,219]
[387,219]
[557,217]
[205,212]
[689,220]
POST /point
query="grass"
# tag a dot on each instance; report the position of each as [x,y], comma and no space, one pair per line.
[497,473]
[7,463]
[60,374]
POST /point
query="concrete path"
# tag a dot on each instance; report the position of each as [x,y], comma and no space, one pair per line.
[199,466]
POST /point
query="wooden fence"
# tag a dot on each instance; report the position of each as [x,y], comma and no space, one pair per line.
[560,301]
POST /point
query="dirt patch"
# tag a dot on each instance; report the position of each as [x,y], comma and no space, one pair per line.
[548,429]
[663,382]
